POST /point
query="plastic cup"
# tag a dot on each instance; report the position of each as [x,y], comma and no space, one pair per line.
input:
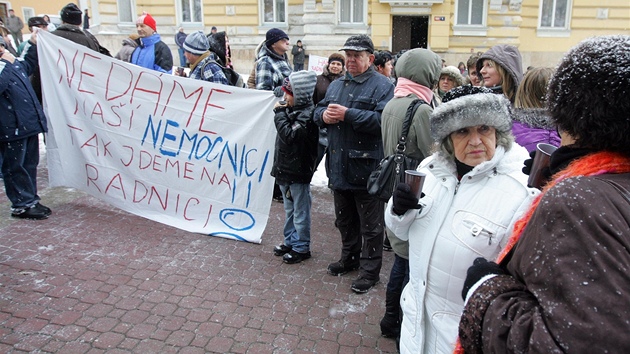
[541,161]
[415,180]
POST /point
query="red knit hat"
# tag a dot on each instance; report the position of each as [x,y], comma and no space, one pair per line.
[147,20]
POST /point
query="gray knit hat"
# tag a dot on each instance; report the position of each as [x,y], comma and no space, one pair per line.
[196,43]
[468,106]
[303,85]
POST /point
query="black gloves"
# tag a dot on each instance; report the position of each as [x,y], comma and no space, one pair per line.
[404,199]
[480,268]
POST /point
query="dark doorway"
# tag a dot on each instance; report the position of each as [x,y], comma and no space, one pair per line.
[409,32]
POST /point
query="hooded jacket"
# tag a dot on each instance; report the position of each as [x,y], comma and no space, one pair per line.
[355,145]
[508,57]
[296,142]
[128,46]
[423,68]
[271,69]
[153,54]
[532,126]
[459,221]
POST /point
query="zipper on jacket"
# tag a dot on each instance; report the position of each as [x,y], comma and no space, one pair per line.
[457,186]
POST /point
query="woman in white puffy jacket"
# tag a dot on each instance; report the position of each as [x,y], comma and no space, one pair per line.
[473,194]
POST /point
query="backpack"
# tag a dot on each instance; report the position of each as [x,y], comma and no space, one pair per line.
[233,78]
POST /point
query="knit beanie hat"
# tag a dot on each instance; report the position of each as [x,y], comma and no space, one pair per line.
[286,86]
[454,74]
[302,86]
[147,20]
[196,43]
[337,57]
[71,14]
[359,43]
[468,106]
[274,35]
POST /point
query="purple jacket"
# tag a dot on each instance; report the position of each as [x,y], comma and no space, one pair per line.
[532,126]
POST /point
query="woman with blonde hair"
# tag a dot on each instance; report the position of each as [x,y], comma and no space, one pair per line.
[501,69]
[532,123]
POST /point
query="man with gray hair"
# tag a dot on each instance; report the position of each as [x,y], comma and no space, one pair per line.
[351,111]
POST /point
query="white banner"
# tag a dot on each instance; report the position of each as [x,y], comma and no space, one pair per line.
[183,152]
[317,63]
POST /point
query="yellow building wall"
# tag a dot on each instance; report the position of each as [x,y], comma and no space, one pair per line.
[50,7]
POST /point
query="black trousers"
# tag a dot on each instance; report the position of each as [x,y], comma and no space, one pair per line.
[360,220]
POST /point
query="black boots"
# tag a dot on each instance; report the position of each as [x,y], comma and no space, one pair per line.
[391,322]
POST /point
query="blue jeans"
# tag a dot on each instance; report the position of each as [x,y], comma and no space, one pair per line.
[399,276]
[182,58]
[297,208]
[19,169]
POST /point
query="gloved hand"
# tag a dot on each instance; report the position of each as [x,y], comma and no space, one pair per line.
[527,169]
[480,268]
[278,91]
[404,199]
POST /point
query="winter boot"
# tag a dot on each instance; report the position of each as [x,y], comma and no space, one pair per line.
[391,322]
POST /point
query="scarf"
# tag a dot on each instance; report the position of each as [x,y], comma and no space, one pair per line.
[405,87]
[593,164]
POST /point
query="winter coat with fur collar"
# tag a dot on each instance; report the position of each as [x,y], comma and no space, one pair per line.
[532,126]
[459,221]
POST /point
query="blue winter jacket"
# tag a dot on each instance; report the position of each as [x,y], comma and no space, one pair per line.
[21,115]
[153,54]
[355,146]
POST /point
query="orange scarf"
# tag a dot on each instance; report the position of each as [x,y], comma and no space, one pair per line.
[590,165]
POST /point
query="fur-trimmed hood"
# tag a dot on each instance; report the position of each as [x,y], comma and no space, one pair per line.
[533,117]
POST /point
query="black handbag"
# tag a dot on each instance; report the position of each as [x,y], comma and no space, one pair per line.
[391,169]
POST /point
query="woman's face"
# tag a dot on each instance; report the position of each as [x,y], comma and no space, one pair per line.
[446,83]
[386,69]
[474,145]
[472,75]
[335,67]
[490,74]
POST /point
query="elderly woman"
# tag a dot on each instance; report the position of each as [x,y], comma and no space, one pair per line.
[473,194]
[564,285]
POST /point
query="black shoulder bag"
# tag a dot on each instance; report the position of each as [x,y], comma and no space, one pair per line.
[391,169]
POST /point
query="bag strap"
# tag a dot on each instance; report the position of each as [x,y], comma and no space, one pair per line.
[411,111]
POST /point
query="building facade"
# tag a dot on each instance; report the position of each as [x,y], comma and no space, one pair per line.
[543,30]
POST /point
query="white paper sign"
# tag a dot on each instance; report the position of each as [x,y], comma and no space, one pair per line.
[183,152]
[316,63]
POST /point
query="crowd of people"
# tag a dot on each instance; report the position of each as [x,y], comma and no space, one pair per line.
[483,262]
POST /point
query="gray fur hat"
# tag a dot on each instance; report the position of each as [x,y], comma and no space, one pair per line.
[468,106]
[454,73]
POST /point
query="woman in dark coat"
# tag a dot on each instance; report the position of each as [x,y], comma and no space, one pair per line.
[562,284]
[332,71]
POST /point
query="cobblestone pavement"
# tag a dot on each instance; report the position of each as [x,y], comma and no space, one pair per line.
[95,279]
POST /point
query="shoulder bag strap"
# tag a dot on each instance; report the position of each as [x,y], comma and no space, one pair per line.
[411,111]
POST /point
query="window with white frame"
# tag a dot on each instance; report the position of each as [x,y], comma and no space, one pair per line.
[554,14]
[126,11]
[274,12]
[471,12]
[352,11]
[190,11]
[27,12]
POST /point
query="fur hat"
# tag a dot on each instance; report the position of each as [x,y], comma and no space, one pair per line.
[468,106]
[147,20]
[588,93]
[36,21]
[302,86]
[454,74]
[217,45]
[196,43]
[337,57]
[359,43]
[274,35]
[71,14]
